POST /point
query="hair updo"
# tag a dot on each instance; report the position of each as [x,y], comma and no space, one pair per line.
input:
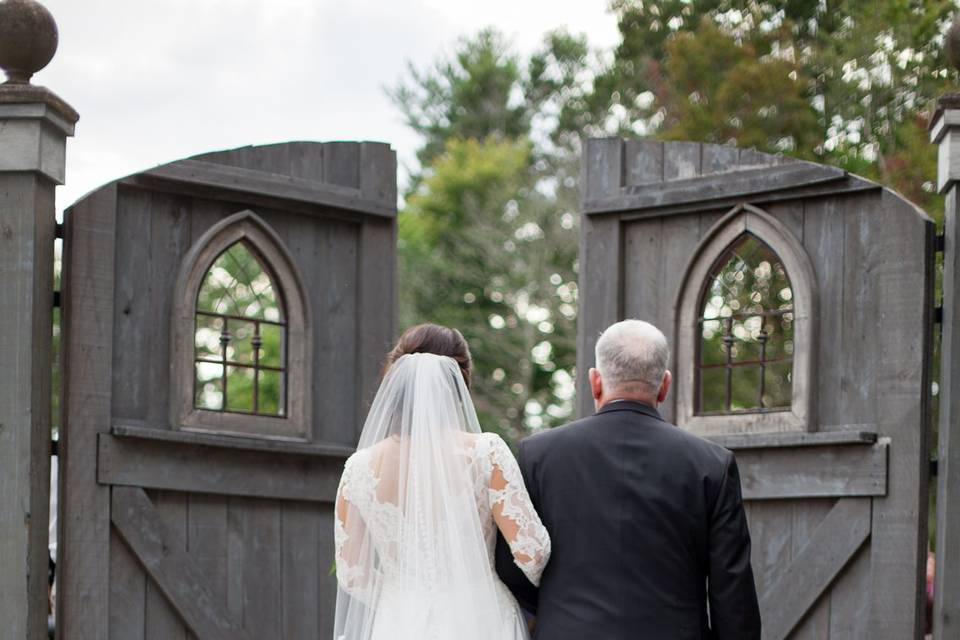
[435,339]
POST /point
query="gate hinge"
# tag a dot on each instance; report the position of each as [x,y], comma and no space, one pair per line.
[938,242]
[938,315]
[58,232]
[934,467]
[56,299]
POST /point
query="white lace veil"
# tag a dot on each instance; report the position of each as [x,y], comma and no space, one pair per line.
[412,558]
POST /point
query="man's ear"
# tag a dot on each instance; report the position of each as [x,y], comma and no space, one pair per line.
[664,387]
[596,384]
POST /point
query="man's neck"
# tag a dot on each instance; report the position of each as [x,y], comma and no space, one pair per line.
[642,400]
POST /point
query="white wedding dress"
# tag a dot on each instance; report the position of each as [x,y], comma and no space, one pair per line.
[417,514]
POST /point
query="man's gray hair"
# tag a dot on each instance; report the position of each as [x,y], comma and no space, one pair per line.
[632,352]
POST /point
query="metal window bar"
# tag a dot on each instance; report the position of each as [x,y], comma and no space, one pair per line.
[224,361]
[716,275]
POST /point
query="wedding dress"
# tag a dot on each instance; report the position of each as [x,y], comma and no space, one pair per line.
[417,513]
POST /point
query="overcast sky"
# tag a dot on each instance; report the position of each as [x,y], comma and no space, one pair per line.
[161,80]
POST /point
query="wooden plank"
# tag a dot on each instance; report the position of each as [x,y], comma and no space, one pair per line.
[301,159]
[859,361]
[642,296]
[601,265]
[162,553]
[829,549]
[901,333]
[851,434]
[602,170]
[377,277]
[306,160]
[679,238]
[681,160]
[207,542]
[128,586]
[850,598]
[740,184]
[215,470]
[234,180]
[708,220]
[302,567]
[847,186]
[719,159]
[236,553]
[770,534]
[170,238]
[341,166]
[378,173]
[262,569]
[328,257]
[946,612]
[132,315]
[823,234]
[790,214]
[230,442]
[162,622]
[83,568]
[807,516]
[643,160]
[326,608]
[753,158]
[26,271]
[811,472]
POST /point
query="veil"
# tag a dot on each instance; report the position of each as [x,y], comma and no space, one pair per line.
[412,558]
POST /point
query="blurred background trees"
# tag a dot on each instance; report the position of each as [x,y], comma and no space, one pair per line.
[488,230]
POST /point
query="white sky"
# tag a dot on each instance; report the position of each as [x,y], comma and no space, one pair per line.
[162,80]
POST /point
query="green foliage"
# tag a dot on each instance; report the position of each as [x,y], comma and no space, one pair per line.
[488,237]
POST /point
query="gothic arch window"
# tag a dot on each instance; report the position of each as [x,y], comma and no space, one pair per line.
[746,316]
[240,340]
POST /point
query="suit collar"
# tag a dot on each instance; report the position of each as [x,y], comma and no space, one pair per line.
[630,405]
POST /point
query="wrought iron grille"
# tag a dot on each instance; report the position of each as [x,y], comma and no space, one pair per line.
[240,338]
[745,351]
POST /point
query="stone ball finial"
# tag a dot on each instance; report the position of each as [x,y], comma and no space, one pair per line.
[953,43]
[28,39]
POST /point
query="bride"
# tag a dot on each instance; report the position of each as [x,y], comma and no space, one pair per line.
[419,506]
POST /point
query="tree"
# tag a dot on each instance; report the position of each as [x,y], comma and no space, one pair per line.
[488,237]
[867,70]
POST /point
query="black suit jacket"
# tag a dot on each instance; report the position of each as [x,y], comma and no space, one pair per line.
[647,526]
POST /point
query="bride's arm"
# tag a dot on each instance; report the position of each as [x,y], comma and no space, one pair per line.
[349,534]
[514,513]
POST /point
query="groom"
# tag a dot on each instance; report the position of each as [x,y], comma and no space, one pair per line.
[650,539]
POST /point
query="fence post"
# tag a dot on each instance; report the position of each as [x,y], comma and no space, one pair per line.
[34,125]
[945,133]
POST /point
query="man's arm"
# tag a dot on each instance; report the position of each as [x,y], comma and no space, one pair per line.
[734,611]
[522,589]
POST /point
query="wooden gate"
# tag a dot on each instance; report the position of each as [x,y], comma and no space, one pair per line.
[224,320]
[798,301]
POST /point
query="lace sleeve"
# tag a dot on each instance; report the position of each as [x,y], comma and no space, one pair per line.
[348,533]
[514,513]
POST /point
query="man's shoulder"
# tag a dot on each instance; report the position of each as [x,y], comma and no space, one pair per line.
[671,438]
[556,436]
[697,446]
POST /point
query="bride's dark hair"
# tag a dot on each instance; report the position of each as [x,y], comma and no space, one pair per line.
[436,339]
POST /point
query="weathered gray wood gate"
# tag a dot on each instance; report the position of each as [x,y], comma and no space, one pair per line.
[798,299]
[224,320]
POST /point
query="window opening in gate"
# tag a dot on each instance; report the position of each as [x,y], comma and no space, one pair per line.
[240,337]
[746,329]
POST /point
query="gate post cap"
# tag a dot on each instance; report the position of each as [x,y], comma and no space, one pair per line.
[28,39]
